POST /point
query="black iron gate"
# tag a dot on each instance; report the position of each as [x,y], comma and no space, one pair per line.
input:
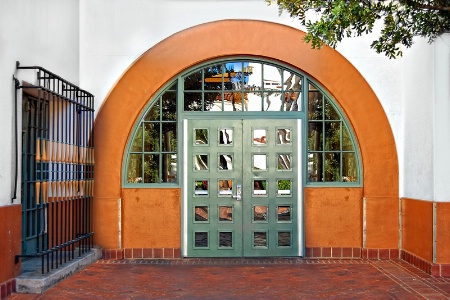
[57,169]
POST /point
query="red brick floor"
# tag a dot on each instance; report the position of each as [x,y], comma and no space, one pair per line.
[248,279]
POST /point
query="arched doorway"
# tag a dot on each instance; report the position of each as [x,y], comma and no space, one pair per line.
[133,228]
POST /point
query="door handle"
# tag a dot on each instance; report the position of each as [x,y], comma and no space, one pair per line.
[238,196]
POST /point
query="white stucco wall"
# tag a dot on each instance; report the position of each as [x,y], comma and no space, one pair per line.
[92,43]
[44,33]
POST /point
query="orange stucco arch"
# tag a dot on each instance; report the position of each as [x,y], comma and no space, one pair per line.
[192,46]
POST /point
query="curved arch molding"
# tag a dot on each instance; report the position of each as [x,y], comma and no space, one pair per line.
[334,217]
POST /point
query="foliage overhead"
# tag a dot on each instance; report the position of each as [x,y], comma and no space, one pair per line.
[328,22]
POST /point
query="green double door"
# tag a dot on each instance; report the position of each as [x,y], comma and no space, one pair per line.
[242,188]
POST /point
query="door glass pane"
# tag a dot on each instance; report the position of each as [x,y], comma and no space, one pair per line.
[201,162]
[284,187]
[284,213]
[201,239]
[225,239]
[259,162]
[201,213]
[284,162]
[260,213]
[225,187]
[225,136]
[259,137]
[260,239]
[283,136]
[225,162]
[201,188]
[260,187]
[226,213]
[284,239]
[201,137]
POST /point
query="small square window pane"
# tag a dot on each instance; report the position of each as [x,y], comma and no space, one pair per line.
[226,213]
[201,136]
[260,187]
[315,166]
[284,162]
[151,168]
[201,213]
[201,162]
[151,137]
[170,172]
[193,81]
[333,136]
[169,106]
[349,167]
[201,188]
[169,137]
[260,239]
[284,239]
[225,136]
[135,168]
[284,187]
[284,213]
[315,136]
[225,239]
[284,136]
[225,187]
[201,239]
[192,101]
[315,105]
[259,162]
[259,137]
[332,166]
[225,162]
[260,213]
[213,102]
[153,113]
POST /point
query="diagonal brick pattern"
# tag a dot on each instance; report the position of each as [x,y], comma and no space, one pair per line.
[269,278]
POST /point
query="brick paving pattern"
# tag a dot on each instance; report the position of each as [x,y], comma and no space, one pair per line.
[287,278]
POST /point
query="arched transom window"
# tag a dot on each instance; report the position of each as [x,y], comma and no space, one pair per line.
[250,88]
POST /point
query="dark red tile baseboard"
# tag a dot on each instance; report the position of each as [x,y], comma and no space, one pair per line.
[140,253]
[426,266]
[7,288]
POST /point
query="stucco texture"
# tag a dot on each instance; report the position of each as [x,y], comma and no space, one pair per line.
[195,45]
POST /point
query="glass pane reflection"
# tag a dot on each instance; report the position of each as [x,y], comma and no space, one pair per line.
[225,239]
[201,136]
[284,187]
[225,136]
[259,187]
[225,187]
[259,162]
[226,213]
[260,213]
[135,168]
[283,136]
[284,213]
[225,162]
[259,137]
[201,162]
[284,239]
[201,239]
[201,213]
[260,239]
[284,162]
[201,188]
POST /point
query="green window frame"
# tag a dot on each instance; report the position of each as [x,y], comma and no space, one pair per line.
[331,152]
